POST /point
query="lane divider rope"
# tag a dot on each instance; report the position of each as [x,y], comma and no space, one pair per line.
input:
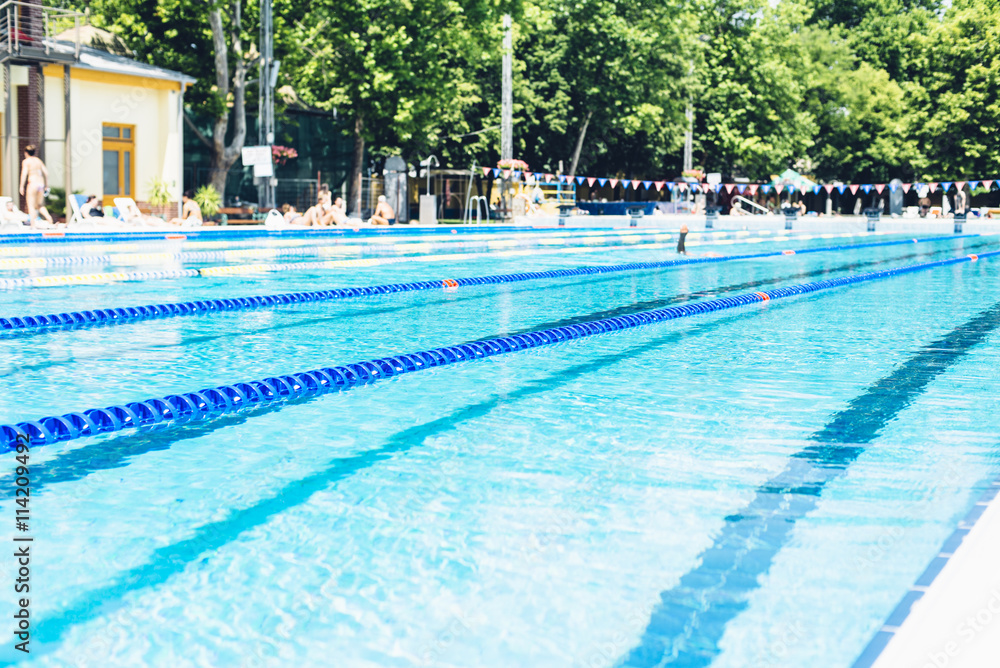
[212,402]
[127,314]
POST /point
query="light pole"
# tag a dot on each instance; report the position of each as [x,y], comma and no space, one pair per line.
[689,135]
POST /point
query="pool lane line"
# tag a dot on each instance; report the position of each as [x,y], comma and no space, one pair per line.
[211,402]
[894,622]
[401,246]
[587,245]
[129,314]
[690,619]
[174,248]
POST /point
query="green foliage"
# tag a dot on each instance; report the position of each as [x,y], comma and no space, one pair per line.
[56,201]
[159,192]
[209,199]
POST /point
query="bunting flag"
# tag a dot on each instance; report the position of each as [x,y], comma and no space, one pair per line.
[988,184]
[549,177]
[635,184]
[590,181]
[506,173]
[659,185]
[670,186]
[741,188]
[906,187]
[752,189]
[613,182]
[879,187]
[829,189]
[766,188]
[580,180]
[682,186]
[516,174]
[563,178]
[646,184]
[486,171]
[778,188]
[854,188]
[816,189]
[932,187]
[867,188]
[892,187]
[729,188]
[538,176]
[945,185]
[959,185]
[496,172]
[841,189]
[791,188]
[973,185]
[603,182]
[717,187]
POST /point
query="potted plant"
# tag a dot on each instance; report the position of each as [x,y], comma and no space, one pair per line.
[282,154]
[159,198]
[209,199]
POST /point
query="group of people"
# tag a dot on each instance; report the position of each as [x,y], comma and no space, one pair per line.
[329,211]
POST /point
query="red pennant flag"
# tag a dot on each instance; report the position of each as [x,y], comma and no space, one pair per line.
[829,189]
[879,187]
[932,186]
[506,173]
[549,177]
[682,186]
[613,182]
[486,171]
[659,185]
[636,184]
[591,180]
[854,188]
[729,188]
[959,184]
[752,189]
[988,185]
[906,187]
[778,188]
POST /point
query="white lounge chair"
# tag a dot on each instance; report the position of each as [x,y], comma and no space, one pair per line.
[76,203]
[128,210]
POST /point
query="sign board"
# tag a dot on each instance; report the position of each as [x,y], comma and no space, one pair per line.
[713,178]
[263,170]
[256,155]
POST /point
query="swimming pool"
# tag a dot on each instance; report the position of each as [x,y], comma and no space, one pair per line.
[753,486]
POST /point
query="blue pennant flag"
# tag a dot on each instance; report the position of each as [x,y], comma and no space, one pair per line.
[670,186]
[766,188]
[496,172]
[646,184]
[867,188]
[717,186]
[580,180]
[816,189]
[973,185]
[892,186]
[603,182]
[945,185]
[516,174]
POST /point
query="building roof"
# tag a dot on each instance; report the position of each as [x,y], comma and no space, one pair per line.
[102,61]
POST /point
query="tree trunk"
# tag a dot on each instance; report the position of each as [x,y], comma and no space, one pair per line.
[357,157]
[223,156]
[579,144]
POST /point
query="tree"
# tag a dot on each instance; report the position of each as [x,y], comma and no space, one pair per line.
[210,47]
[399,71]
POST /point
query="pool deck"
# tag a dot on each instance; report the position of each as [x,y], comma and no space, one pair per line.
[955,623]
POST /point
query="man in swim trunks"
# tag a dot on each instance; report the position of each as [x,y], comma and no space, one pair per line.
[384,214]
[191,213]
[33,181]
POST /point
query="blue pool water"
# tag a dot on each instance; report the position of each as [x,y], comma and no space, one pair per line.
[753,487]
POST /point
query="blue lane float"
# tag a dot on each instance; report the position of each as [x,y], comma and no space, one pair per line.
[127,314]
[212,402]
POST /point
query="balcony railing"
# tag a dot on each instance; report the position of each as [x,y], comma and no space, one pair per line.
[27,29]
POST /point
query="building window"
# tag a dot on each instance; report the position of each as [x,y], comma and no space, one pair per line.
[119,165]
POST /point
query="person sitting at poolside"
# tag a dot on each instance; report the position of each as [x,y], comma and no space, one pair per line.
[190,213]
[12,214]
[314,214]
[337,214]
[289,213]
[384,214]
[92,208]
[133,216]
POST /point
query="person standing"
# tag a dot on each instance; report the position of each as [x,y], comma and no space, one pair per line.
[34,179]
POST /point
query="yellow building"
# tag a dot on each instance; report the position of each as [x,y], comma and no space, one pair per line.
[104,124]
